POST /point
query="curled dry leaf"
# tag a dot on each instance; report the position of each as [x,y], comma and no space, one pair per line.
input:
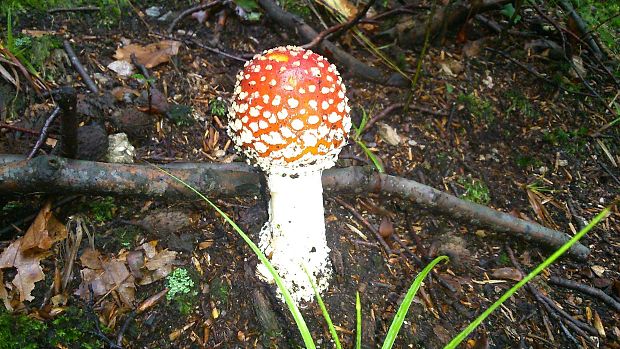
[150,55]
[26,253]
[151,301]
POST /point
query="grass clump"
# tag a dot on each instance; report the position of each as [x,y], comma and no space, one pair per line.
[519,104]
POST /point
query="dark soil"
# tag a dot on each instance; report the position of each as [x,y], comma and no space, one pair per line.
[496,124]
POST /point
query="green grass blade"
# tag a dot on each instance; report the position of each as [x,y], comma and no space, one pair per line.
[328,319]
[371,156]
[399,318]
[472,326]
[299,320]
[358,318]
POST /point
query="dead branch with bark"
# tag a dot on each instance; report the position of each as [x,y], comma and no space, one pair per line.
[51,174]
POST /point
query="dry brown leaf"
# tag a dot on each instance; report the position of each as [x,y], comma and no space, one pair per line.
[29,270]
[150,55]
[4,294]
[44,231]
[91,259]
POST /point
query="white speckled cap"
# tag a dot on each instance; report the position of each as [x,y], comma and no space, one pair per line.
[289,113]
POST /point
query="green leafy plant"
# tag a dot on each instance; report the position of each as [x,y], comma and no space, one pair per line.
[357,138]
[520,104]
[475,190]
[217,107]
[178,282]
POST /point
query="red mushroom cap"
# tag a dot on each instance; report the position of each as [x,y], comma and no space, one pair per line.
[289,111]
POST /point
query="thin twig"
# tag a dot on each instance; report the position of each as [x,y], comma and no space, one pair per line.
[188,12]
[365,222]
[360,14]
[20,129]
[418,70]
[74,9]
[79,67]
[590,291]
[44,132]
[387,111]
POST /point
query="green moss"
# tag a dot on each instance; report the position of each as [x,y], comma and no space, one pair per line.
[519,104]
[475,190]
[18,331]
[103,209]
[573,142]
[480,109]
[219,290]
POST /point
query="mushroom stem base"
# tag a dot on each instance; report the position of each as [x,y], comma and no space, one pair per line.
[294,237]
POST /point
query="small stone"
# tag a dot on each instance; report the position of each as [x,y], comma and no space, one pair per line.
[562,163]
[153,11]
[119,149]
[101,79]
[543,169]
[598,270]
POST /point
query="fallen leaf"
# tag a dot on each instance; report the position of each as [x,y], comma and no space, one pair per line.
[150,55]
[598,270]
[29,270]
[4,294]
[389,134]
[44,231]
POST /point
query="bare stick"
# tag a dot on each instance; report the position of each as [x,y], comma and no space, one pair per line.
[79,67]
[20,129]
[335,32]
[55,174]
[44,131]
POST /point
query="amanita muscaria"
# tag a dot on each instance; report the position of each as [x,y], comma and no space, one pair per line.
[290,116]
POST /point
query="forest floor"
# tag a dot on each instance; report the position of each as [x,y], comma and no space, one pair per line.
[484,128]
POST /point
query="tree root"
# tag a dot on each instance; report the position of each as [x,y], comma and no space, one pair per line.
[53,174]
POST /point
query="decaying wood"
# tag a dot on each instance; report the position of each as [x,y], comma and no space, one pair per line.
[52,174]
[307,34]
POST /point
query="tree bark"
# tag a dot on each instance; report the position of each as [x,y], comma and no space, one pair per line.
[52,174]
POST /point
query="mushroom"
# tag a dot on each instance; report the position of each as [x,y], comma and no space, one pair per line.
[290,116]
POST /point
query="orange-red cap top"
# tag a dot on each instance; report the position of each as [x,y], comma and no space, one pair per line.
[289,112]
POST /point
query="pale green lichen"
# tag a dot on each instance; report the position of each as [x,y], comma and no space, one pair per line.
[179,282]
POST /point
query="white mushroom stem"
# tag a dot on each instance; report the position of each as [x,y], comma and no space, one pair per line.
[295,234]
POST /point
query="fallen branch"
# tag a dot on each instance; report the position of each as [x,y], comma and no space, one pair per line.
[307,34]
[59,175]
[43,134]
